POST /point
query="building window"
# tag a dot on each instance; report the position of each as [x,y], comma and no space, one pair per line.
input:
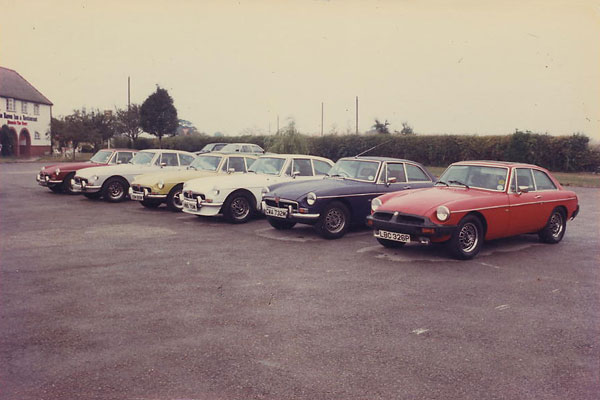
[24,107]
[10,104]
[36,135]
[36,109]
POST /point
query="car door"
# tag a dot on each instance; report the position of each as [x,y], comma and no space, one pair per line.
[416,177]
[524,201]
[392,177]
[300,168]
[123,157]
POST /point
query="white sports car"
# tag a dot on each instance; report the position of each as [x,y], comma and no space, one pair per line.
[237,197]
[113,182]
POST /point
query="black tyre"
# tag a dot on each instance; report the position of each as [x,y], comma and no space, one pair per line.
[174,202]
[150,203]
[334,221]
[115,189]
[280,224]
[238,208]
[467,239]
[93,196]
[66,184]
[390,244]
[555,228]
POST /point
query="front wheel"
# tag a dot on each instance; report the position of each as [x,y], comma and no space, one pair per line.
[115,190]
[174,202]
[334,221]
[280,224]
[238,208]
[555,228]
[390,244]
[66,185]
[467,239]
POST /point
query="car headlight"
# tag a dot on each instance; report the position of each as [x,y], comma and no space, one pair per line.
[160,184]
[375,203]
[311,198]
[442,213]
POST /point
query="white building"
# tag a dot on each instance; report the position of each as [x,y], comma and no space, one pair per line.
[26,112]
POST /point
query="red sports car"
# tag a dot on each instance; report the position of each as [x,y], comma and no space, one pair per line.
[57,177]
[475,201]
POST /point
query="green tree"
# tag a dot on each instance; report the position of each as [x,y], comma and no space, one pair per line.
[7,138]
[127,122]
[289,141]
[158,115]
[381,127]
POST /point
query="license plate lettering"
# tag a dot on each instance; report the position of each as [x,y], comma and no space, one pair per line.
[137,196]
[395,236]
[276,212]
[190,205]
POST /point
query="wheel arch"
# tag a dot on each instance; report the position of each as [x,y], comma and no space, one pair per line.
[246,192]
[481,218]
[120,177]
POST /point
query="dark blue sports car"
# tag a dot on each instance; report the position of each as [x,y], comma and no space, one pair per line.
[344,197]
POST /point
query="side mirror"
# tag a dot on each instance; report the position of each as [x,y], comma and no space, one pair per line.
[523,189]
[295,174]
[230,170]
[391,180]
[163,164]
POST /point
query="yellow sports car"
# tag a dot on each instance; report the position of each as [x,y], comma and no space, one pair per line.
[165,187]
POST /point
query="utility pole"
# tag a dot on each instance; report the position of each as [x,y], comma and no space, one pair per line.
[357,115]
[322,111]
[128,93]
[278,124]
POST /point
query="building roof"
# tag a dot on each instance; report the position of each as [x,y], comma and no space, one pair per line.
[14,86]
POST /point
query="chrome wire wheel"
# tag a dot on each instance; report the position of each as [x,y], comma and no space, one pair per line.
[468,237]
[115,190]
[556,225]
[240,208]
[178,200]
[335,220]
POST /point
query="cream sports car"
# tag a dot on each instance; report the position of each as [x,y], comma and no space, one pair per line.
[165,186]
[238,197]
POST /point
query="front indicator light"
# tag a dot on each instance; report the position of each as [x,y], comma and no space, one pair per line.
[428,230]
[442,213]
[160,185]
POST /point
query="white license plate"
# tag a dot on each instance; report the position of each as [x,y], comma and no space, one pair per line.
[137,196]
[395,236]
[190,205]
[276,212]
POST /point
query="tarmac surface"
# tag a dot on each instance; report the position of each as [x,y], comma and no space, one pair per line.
[115,301]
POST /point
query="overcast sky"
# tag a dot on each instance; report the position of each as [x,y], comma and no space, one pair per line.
[476,67]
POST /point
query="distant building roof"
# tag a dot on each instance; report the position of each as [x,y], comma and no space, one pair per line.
[15,86]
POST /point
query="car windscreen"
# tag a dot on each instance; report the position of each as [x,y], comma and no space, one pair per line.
[267,165]
[477,176]
[101,157]
[206,163]
[355,169]
[142,158]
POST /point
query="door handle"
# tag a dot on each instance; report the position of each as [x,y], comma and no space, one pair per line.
[406,187]
[539,196]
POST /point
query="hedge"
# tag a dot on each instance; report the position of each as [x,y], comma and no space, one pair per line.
[557,153]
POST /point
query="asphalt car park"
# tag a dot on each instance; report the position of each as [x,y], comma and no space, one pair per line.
[117,301]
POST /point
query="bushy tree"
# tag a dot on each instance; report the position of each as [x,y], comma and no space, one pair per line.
[7,138]
[158,115]
[289,140]
[127,122]
[381,127]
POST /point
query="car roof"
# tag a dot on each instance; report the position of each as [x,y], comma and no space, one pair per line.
[496,163]
[292,155]
[226,153]
[171,150]
[377,158]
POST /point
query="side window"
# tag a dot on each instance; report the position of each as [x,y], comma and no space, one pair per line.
[257,149]
[288,170]
[123,157]
[246,149]
[113,159]
[395,170]
[513,182]
[249,161]
[416,174]
[170,159]
[524,178]
[184,159]
[237,163]
[303,167]
[321,167]
[542,181]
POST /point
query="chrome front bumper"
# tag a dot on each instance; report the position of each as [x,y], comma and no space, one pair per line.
[293,215]
[83,188]
[45,181]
